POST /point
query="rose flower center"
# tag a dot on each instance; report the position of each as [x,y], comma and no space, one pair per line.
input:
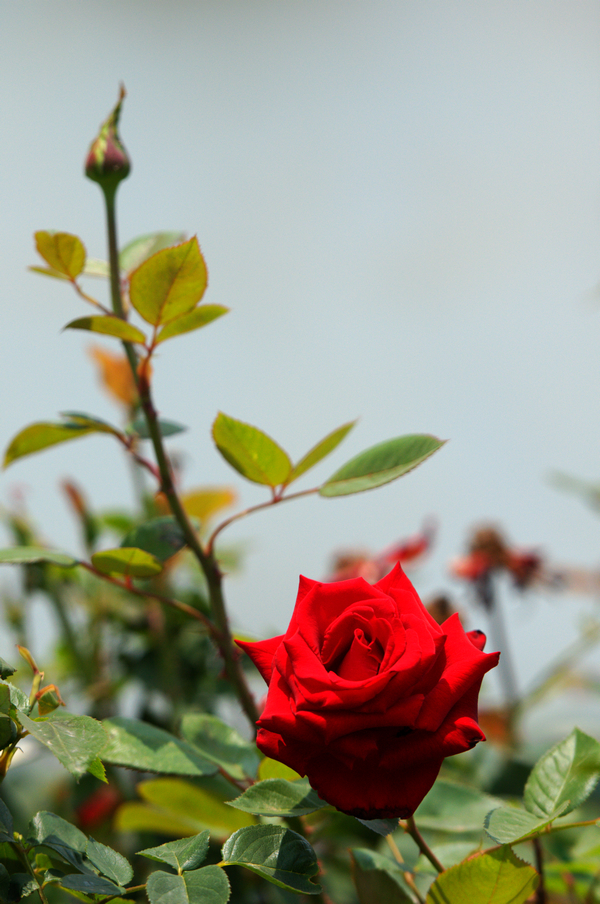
[354,644]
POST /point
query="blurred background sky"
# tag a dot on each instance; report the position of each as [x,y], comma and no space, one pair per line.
[400,203]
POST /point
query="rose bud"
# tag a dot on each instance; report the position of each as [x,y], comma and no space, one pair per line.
[368,694]
[107,162]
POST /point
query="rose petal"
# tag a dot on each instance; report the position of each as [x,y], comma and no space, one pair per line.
[262,653]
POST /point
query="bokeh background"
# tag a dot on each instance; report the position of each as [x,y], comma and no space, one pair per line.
[400,203]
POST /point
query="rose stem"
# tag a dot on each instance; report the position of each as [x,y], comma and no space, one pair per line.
[540,892]
[207,561]
[411,828]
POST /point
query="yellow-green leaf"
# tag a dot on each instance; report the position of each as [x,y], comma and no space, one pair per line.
[41,435]
[193,320]
[318,452]
[497,877]
[250,451]
[204,502]
[169,284]
[62,251]
[127,561]
[49,271]
[109,325]
[181,809]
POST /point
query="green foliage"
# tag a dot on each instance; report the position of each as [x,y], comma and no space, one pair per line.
[378,879]
[278,797]
[145,747]
[566,774]
[208,884]
[28,555]
[75,741]
[275,853]
[251,452]
[139,427]
[108,325]
[169,284]
[40,436]
[127,561]
[508,825]
[220,744]
[144,246]
[64,253]
[194,320]
[176,807]
[160,537]
[320,451]
[186,853]
[380,464]
[496,877]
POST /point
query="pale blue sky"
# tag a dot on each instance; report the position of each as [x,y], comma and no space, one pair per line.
[400,203]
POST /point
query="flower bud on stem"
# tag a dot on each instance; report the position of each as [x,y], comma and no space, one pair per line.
[108,164]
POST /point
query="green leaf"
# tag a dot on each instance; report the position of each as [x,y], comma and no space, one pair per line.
[380,826]
[274,769]
[378,879]
[193,320]
[18,698]
[208,885]
[6,823]
[62,251]
[108,862]
[161,537]
[185,853]
[275,853]
[4,699]
[39,436]
[450,807]
[318,452]
[278,797]
[380,464]
[96,267]
[96,424]
[200,808]
[144,246]
[497,877]
[108,325]
[8,730]
[567,772]
[61,836]
[28,555]
[169,284]
[507,825]
[90,884]
[220,743]
[167,428]
[75,741]
[96,768]
[6,670]
[49,271]
[250,451]
[139,745]
[127,561]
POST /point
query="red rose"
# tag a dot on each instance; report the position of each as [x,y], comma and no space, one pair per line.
[368,694]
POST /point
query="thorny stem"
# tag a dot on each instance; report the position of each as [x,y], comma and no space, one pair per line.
[410,827]
[206,559]
[250,511]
